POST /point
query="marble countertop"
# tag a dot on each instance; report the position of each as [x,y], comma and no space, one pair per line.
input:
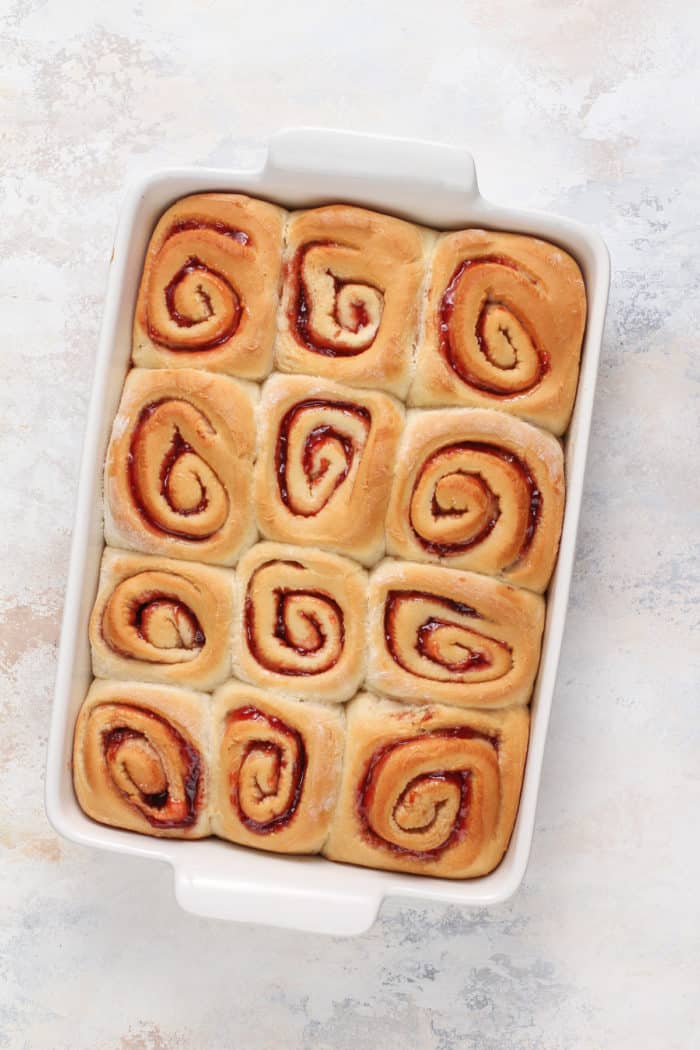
[578,108]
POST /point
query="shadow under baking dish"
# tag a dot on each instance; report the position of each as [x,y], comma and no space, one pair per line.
[429,184]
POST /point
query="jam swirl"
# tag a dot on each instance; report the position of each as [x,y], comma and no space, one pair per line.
[266,762]
[150,764]
[332,315]
[192,304]
[291,629]
[174,488]
[485,335]
[434,638]
[318,446]
[147,617]
[416,798]
[453,506]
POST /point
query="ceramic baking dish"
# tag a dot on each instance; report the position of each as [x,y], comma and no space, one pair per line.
[430,184]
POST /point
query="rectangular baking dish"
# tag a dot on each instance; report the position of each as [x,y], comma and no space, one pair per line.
[424,182]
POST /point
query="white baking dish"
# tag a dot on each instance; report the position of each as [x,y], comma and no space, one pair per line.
[431,184]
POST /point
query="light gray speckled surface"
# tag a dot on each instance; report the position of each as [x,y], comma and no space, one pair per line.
[579,108]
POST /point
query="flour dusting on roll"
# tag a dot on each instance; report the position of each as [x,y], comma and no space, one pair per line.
[327,456]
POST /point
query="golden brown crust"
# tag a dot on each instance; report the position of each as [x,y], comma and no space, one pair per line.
[161,620]
[476,489]
[351,296]
[178,474]
[277,767]
[300,622]
[431,790]
[503,327]
[441,635]
[325,465]
[210,286]
[140,758]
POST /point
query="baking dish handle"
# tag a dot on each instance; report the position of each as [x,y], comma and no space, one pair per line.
[291,907]
[339,161]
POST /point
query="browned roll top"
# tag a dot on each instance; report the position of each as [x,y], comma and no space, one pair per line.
[174,485]
[276,768]
[441,635]
[439,639]
[209,292]
[179,465]
[332,311]
[487,328]
[503,327]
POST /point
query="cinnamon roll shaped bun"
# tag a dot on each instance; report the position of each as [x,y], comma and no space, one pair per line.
[323,475]
[178,475]
[300,622]
[451,637]
[160,620]
[210,286]
[476,489]
[503,327]
[277,769]
[351,296]
[140,758]
[430,790]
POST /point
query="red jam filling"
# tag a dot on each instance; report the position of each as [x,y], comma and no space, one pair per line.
[112,741]
[446,309]
[299,313]
[298,769]
[150,602]
[182,225]
[460,778]
[474,661]
[282,597]
[534,506]
[315,440]
[195,265]
[178,448]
